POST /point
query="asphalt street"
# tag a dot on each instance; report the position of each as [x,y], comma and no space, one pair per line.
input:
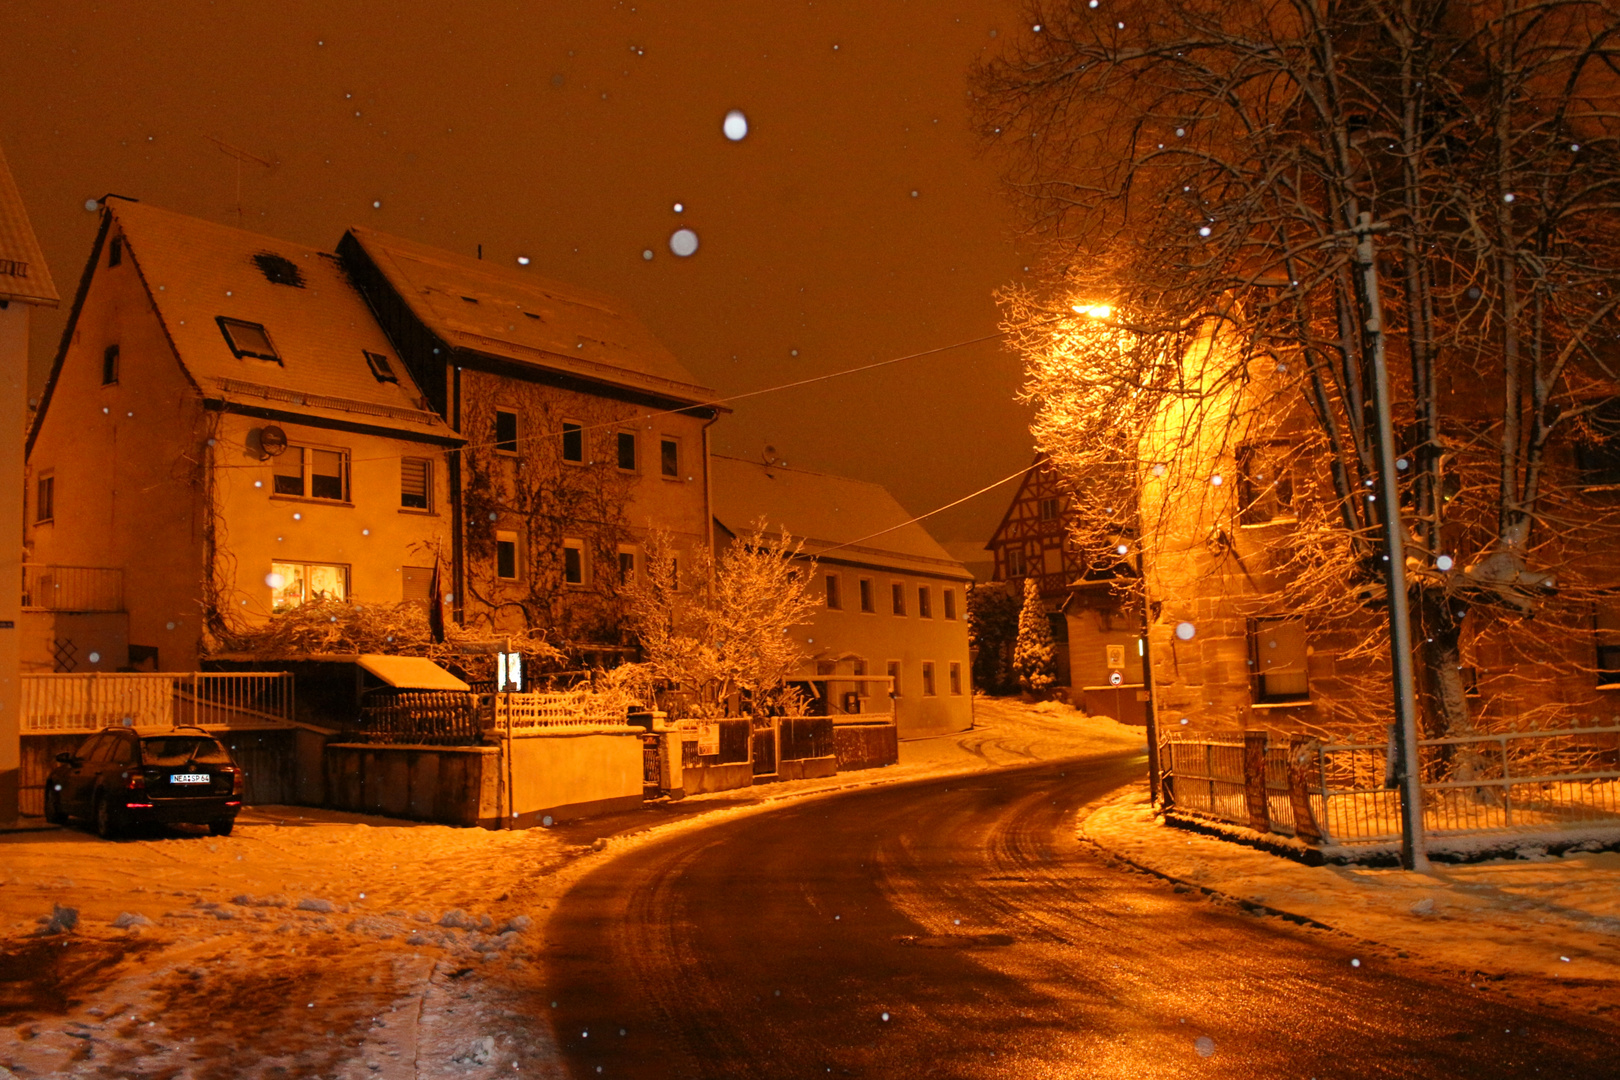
[957,928]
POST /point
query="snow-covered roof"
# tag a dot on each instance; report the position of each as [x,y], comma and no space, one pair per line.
[23,274]
[512,315]
[198,273]
[859,519]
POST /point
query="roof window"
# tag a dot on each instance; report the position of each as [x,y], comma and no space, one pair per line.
[279,270]
[247,339]
[381,368]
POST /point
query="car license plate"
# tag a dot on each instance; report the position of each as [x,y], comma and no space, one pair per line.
[189,778]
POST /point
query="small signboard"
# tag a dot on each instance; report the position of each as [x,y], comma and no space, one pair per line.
[708,743]
[508,672]
[1116,657]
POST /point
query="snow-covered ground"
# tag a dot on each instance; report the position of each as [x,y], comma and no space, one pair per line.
[317,943]
[1546,928]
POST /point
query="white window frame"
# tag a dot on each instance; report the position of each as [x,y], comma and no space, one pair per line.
[635,450]
[584,579]
[517,432]
[578,427]
[427,486]
[307,476]
[929,687]
[675,441]
[305,567]
[509,536]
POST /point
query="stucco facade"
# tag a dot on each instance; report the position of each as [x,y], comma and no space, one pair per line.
[890,602]
[149,462]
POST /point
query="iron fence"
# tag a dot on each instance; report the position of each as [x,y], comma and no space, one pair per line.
[1472,785]
[89,701]
[72,588]
[422,718]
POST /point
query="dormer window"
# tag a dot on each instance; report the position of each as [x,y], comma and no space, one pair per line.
[247,339]
[381,368]
[115,251]
[279,270]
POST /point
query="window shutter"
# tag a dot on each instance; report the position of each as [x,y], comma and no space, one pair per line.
[413,483]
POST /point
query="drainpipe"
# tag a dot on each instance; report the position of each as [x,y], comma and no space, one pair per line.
[457,571]
[708,492]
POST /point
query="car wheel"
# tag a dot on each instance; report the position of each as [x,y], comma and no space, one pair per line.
[107,824]
[53,807]
[221,826]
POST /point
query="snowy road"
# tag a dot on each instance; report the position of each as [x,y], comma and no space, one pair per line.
[956,927]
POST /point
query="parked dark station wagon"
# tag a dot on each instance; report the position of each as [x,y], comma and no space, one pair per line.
[121,777]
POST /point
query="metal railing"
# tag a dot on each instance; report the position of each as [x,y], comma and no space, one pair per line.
[1504,782]
[1473,784]
[90,701]
[72,588]
[422,718]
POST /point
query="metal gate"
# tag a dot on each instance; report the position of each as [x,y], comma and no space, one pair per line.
[764,746]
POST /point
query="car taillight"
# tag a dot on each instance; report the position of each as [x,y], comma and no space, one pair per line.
[137,781]
[236,781]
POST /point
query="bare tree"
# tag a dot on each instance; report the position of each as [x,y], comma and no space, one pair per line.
[1193,171]
[720,626]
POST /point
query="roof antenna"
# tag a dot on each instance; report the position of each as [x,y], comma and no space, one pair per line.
[240,155]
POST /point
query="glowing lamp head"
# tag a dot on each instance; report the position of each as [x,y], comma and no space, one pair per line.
[1093,311]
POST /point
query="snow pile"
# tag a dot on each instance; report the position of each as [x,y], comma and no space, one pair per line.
[131,920]
[478,1053]
[61,920]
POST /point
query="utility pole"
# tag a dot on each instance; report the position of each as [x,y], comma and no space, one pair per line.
[1405,749]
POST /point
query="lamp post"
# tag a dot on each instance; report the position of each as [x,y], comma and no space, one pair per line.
[1413,855]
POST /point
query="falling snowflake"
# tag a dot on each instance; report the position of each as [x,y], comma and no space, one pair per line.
[1185,631]
[735,125]
[1204,1045]
[683,242]
[1444,562]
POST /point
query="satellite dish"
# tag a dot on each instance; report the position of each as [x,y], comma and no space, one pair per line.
[272,441]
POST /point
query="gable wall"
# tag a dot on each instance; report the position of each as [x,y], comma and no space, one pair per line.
[126,464]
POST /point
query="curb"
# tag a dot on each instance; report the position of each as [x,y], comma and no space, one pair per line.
[1241,902]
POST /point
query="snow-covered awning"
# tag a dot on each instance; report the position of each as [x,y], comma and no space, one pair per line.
[410,672]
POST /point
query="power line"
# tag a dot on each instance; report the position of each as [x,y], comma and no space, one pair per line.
[931,513]
[688,408]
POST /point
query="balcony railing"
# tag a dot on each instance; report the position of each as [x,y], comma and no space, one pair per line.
[72,588]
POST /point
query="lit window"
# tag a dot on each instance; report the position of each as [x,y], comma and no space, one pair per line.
[573,554]
[897,598]
[109,365]
[892,669]
[247,339]
[928,678]
[415,484]
[45,498]
[868,602]
[310,472]
[925,602]
[669,457]
[834,599]
[1277,652]
[627,451]
[950,603]
[292,584]
[506,555]
[573,442]
[380,367]
[506,431]
[956,677]
[1265,482]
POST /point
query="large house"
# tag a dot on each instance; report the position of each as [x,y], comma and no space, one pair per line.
[235,425]
[25,283]
[892,618]
[1099,641]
